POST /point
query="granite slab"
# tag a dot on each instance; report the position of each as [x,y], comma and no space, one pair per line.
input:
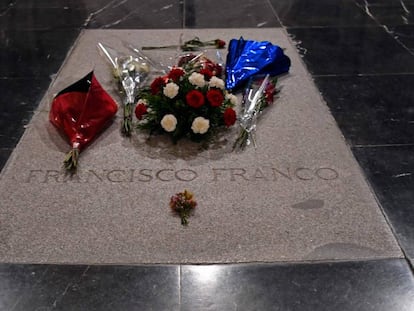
[298,196]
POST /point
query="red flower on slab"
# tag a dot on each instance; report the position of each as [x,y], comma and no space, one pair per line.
[220,44]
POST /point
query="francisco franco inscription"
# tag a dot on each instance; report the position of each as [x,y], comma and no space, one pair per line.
[147,175]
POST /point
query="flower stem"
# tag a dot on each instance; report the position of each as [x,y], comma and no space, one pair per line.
[241,140]
[190,45]
[160,47]
[184,220]
[71,160]
[126,126]
[184,217]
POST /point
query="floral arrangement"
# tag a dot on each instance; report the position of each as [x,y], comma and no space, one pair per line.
[259,94]
[183,204]
[189,101]
[130,73]
[81,111]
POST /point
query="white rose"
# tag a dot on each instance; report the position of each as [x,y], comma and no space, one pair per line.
[171,90]
[200,125]
[216,82]
[169,122]
[197,79]
[233,98]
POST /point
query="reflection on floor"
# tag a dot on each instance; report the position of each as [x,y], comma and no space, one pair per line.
[361,56]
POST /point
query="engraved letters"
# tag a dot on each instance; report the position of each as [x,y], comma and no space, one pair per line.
[165,175]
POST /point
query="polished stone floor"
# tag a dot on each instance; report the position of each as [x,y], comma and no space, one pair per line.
[360,54]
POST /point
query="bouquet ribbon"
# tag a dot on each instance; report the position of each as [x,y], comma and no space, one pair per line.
[246,58]
[81,111]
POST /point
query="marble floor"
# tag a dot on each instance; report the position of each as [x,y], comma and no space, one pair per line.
[360,54]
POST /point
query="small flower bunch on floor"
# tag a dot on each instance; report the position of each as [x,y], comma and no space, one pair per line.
[190,101]
[183,204]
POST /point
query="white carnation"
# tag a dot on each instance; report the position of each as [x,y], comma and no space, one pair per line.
[169,122]
[233,98]
[216,82]
[200,125]
[197,79]
[142,101]
[171,90]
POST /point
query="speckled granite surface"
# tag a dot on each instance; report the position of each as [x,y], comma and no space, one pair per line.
[299,196]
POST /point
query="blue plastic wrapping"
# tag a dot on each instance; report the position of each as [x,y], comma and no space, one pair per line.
[246,58]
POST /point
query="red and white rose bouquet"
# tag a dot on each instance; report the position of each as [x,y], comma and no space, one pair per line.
[189,101]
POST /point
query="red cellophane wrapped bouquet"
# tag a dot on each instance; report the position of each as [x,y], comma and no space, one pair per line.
[81,111]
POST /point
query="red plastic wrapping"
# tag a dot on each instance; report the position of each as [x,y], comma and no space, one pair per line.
[82,110]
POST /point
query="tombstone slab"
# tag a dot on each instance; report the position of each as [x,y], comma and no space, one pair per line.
[298,196]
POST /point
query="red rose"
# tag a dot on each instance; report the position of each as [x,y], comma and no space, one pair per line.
[220,43]
[215,97]
[214,68]
[157,85]
[185,59]
[140,110]
[270,91]
[195,99]
[218,70]
[175,74]
[207,73]
[229,117]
